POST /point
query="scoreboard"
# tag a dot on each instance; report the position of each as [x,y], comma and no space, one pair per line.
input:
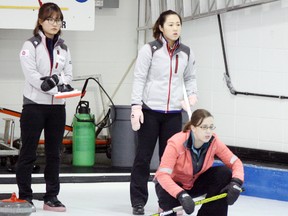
[79,15]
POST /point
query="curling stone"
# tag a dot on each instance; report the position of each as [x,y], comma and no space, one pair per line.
[15,207]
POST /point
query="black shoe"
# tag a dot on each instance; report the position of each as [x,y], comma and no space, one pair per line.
[138,210]
[53,204]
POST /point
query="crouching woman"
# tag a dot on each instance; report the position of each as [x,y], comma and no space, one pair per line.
[186,169]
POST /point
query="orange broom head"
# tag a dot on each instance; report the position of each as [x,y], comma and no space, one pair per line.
[73,93]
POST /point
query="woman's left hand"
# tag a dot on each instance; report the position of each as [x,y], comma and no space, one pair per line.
[233,190]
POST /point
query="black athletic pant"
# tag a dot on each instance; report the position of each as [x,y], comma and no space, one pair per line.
[156,125]
[34,119]
[211,182]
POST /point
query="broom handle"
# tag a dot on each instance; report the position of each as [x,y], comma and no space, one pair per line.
[199,202]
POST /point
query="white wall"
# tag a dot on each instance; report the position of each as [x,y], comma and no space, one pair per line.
[256,45]
[256,42]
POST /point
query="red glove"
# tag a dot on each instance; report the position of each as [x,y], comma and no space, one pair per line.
[137,117]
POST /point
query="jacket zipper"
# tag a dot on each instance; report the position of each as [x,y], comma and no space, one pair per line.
[171,51]
[56,65]
[176,65]
[170,78]
[51,67]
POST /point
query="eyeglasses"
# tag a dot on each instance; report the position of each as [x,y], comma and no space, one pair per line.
[206,127]
[52,21]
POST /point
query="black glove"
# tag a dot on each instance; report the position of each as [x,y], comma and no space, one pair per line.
[49,82]
[186,202]
[64,88]
[233,190]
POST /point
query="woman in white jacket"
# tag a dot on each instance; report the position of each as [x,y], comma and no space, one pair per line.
[46,64]
[161,69]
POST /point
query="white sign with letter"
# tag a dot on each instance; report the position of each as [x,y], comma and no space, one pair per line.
[79,15]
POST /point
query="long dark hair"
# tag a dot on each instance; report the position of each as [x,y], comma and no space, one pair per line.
[47,10]
[160,22]
[197,118]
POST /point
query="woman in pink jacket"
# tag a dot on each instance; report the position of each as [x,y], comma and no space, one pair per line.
[187,170]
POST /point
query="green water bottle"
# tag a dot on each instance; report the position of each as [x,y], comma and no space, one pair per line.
[83,153]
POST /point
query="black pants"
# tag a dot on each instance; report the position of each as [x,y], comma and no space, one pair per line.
[210,183]
[34,119]
[156,125]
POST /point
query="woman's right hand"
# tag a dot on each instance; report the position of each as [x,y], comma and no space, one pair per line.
[137,117]
[186,202]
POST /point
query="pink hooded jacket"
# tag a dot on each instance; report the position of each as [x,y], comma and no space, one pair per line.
[176,163]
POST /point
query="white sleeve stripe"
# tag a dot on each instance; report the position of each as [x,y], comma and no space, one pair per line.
[166,170]
[233,159]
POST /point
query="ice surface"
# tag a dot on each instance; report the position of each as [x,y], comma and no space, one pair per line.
[103,199]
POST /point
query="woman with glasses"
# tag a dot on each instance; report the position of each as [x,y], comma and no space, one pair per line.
[46,64]
[186,169]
